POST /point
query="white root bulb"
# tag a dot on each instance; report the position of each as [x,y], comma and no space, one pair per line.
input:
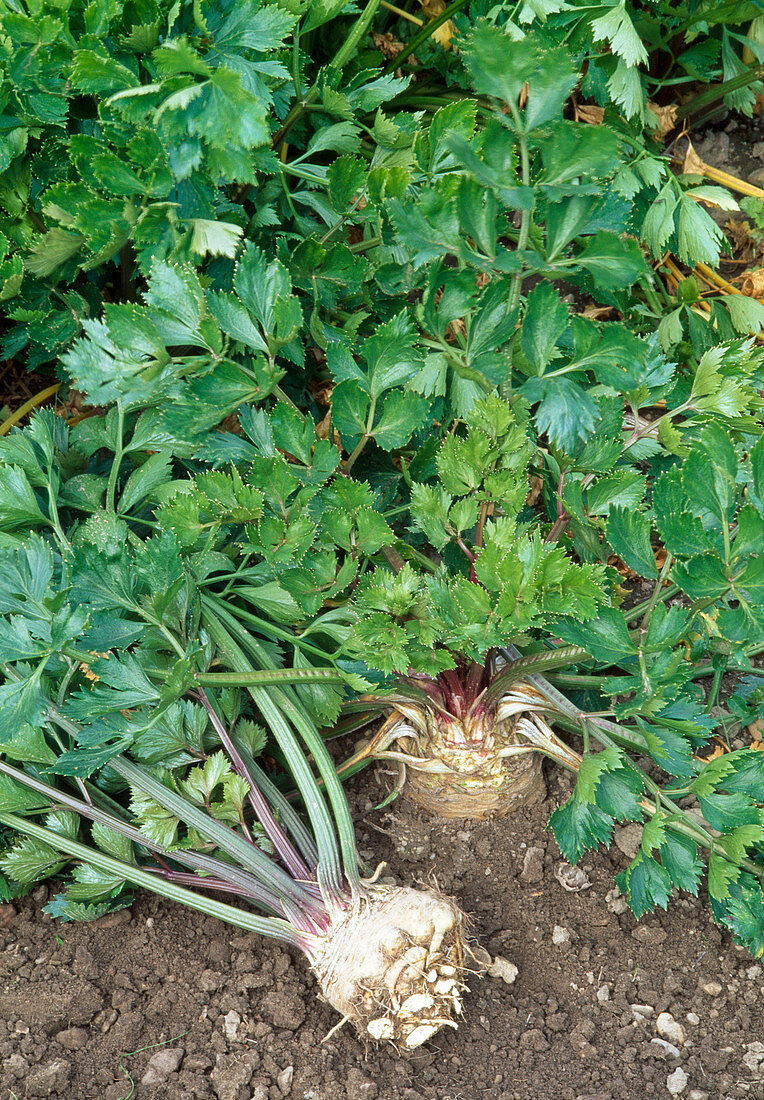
[395,965]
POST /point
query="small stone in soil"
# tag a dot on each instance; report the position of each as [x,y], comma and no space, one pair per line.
[713,989]
[676,1082]
[560,935]
[670,1029]
[360,1087]
[504,969]
[161,1065]
[167,1060]
[229,1075]
[284,1080]
[50,1080]
[572,879]
[668,1048]
[628,839]
[649,934]
[231,1022]
[615,901]
[73,1038]
[112,920]
[533,865]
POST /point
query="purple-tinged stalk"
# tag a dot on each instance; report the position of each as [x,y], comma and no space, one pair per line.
[391,960]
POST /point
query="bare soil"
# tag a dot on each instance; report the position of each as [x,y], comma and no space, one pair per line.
[158,1002]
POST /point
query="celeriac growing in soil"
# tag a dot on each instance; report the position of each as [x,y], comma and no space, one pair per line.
[128,709]
[466,708]
[466,750]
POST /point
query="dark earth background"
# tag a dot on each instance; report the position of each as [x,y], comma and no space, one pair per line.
[159,1002]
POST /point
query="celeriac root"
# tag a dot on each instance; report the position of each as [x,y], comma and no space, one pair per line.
[394,966]
[485,764]
[477,781]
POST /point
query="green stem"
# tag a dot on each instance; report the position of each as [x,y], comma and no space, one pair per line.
[348,466]
[421,36]
[716,93]
[341,58]
[639,609]
[241,851]
[272,927]
[55,522]
[247,885]
[296,63]
[655,595]
[277,705]
[364,246]
[550,659]
[651,296]
[111,489]
[259,678]
[713,694]
[699,16]
[575,680]
[522,240]
[277,632]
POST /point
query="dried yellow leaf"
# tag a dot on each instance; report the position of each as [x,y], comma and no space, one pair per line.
[666,116]
[590,113]
[692,164]
[447,30]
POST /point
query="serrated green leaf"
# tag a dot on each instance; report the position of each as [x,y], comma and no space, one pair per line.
[142,481]
[668,748]
[29,861]
[546,319]
[628,532]
[579,826]
[593,766]
[22,704]
[613,262]
[18,504]
[606,637]
[16,798]
[646,884]
[721,875]
[702,576]
[679,855]
[401,415]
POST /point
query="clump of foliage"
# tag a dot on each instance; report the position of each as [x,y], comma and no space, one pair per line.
[456,715]
[637,56]
[173,134]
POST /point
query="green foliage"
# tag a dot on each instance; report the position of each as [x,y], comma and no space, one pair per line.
[435,618]
[332,324]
